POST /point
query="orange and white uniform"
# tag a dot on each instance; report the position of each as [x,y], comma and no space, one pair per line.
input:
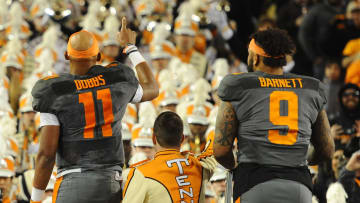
[131,114]
[194,58]
[171,176]
[7,170]
[184,25]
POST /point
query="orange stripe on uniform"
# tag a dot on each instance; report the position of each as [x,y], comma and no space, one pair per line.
[129,177]
[238,200]
[357,181]
[56,189]
[87,99]
[105,96]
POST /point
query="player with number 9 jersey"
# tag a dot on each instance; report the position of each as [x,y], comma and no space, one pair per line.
[276,123]
[275,116]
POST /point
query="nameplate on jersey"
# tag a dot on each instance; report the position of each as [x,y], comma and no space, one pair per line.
[184,185]
[90,82]
[280,82]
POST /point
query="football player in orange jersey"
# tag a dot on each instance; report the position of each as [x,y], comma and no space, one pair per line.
[172,176]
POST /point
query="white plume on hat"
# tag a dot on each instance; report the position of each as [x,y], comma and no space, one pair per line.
[221,69]
[160,47]
[187,73]
[4,13]
[181,110]
[8,126]
[168,85]
[161,33]
[202,88]
[13,47]
[12,53]
[144,7]
[200,94]
[39,6]
[45,68]
[94,7]
[16,14]
[111,28]
[336,193]
[45,62]
[90,23]
[169,89]
[49,38]
[187,9]
[184,23]
[125,131]
[111,24]
[147,114]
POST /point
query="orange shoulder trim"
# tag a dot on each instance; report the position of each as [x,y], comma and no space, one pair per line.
[239,73]
[50,77]
[128,180]
[139,163]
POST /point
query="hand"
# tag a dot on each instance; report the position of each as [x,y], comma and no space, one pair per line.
[125,36]
[209,163]
[354,162]
[336,131]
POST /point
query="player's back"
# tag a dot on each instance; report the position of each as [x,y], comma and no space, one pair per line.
[275,114]
[171,176]
[89,109]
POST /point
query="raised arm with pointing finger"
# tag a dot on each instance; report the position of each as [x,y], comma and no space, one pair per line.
[127,38]
[80,120]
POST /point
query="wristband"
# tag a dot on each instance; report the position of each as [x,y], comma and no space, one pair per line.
[133,54]
[136,58]
[129,48]
[37,195]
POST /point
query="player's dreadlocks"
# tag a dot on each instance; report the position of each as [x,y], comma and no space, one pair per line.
[276,43]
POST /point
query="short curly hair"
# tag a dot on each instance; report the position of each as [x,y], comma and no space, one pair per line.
[275,42]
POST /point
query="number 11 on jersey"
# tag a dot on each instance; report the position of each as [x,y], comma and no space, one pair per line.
[89,106]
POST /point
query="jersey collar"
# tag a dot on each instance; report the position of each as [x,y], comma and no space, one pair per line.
[167,152]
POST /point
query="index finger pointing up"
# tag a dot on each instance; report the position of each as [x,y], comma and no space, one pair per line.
[123,23]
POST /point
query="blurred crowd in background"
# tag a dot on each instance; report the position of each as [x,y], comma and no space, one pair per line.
[191,45]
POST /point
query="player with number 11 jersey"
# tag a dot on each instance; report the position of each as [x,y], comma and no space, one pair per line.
[80,116]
